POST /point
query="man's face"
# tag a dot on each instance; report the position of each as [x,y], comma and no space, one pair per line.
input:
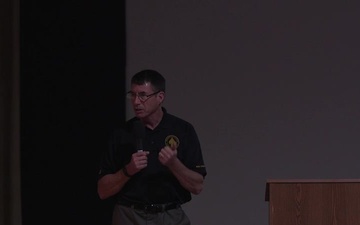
[145,100]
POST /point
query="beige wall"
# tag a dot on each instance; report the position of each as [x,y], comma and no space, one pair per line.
[270,86]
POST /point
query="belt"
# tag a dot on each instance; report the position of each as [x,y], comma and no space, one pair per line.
[151,208]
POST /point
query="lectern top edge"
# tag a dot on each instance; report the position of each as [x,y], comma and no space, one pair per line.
[304,181]
[313,181]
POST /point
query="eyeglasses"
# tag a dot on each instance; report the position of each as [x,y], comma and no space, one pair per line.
[142,96]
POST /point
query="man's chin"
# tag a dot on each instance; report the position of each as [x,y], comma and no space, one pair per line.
[139,114]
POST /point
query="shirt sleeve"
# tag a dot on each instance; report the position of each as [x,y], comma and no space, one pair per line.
[115,157]
[193,157]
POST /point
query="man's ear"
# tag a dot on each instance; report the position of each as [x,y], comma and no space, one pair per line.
[161,96]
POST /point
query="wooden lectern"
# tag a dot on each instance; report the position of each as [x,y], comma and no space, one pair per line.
[313,202]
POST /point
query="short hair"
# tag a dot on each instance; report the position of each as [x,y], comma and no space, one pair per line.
[149,76]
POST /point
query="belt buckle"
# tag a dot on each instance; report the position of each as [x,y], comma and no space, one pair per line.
[154,208]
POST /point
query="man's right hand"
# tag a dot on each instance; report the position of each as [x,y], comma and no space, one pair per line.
[138,162]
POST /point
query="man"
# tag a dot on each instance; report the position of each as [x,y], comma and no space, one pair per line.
[153,174]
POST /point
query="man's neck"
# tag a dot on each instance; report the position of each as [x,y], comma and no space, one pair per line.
[154,119]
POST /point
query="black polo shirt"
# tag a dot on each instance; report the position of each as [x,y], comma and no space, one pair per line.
[155,184]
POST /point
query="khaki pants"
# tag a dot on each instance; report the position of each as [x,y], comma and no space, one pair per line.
[123,215]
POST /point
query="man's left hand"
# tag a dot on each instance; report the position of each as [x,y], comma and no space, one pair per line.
[167,155]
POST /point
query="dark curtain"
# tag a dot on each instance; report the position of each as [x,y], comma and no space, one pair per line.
[72,60]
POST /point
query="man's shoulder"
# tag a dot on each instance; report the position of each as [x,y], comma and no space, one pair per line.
[124,127]
[177,120]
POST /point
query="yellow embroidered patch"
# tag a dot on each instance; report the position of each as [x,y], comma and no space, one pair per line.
[172,141]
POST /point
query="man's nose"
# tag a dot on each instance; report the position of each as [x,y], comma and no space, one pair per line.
[136,100]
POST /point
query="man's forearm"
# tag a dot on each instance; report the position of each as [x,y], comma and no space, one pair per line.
[189,179]
[111,184]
